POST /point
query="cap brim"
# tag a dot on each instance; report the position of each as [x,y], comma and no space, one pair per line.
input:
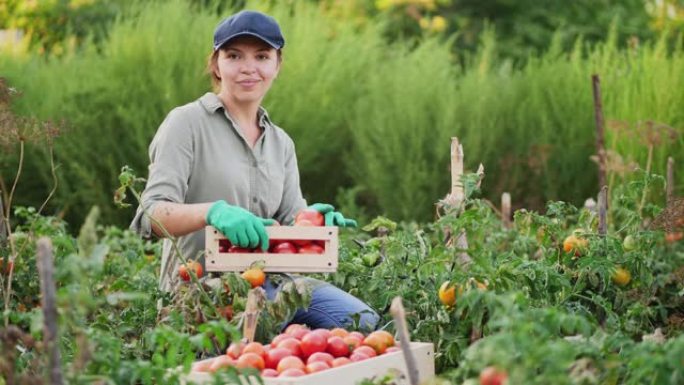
[236,35]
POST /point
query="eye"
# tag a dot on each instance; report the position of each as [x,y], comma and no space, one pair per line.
[262,56]
[232,56]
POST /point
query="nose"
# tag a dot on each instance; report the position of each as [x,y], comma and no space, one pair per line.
[248,66]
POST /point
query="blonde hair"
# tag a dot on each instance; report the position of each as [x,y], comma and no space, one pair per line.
[212,67]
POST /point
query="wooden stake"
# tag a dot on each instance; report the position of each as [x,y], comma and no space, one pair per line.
[669,197]
[47,288]
[255,300]
[399,315]
[602,211]
[3,230]
[506,210]
[600,144]
[457,171]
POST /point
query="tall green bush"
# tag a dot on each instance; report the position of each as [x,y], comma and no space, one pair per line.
[371,117]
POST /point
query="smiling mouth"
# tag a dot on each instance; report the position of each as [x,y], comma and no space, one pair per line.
[248,83]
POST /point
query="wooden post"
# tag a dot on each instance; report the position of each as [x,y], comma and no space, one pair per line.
[399,315]
[669,197]
[255,300]
[3,230]
[600,144]
[602,211]
[457,193]
[506,210]
[47,288]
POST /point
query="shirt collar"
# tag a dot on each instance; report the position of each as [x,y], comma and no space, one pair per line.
[212,103]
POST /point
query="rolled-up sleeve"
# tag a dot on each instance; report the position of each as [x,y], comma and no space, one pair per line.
[292,201]
[171,157]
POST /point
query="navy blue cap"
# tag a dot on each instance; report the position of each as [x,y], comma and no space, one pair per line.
[249,23]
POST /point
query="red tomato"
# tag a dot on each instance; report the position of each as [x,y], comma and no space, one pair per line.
[269,373]
[278,338]
[316,367]
[300,333]
[292,327]
[311,249]
[223,245]
[293,344]
[358,335]
[356,357]
[339,361]
[183,270]
[285,247]
[492,376]
[337,347]
[352,342]
[310,215]
[301,242]
[290,362]
[322,357]
[313,343]
[325,333]
[238,249]
[293,372]
[250,360]
[274,356]
[254,347]
[235,349]
[367,350]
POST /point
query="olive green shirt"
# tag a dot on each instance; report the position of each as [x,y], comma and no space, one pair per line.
[200,155]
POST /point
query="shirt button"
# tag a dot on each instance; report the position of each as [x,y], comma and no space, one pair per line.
[255,200]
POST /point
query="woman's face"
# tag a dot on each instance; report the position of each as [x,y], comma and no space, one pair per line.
[246,68]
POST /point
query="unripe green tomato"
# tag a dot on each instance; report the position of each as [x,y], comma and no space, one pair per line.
[629,243]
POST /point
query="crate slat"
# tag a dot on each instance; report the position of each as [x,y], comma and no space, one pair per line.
[216,260]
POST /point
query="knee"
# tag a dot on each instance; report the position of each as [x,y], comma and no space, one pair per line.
[368,320]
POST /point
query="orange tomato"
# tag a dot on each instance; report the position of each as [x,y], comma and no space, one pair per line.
[254,347]
[447,294]
[251,360]
[290,362]
[339,361]
[221,362]
[255,277]
[574,244]
[672,237]
[377,342]
[202,366]
[184,270]
[339,332]
[386,336]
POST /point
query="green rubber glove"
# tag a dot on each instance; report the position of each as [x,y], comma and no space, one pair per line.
[241,227]
[332,217]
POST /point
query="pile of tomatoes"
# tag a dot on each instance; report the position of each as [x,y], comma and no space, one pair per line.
[300,351]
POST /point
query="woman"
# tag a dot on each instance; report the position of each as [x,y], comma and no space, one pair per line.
[220,161]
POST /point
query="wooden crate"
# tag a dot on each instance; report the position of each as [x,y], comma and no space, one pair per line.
[216,259]
[351,374]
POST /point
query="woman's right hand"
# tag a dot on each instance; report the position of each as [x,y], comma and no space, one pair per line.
[241,227]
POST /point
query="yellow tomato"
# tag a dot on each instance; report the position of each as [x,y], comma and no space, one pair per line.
[621,277]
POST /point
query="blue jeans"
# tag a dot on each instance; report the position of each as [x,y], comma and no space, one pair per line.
[330,306]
